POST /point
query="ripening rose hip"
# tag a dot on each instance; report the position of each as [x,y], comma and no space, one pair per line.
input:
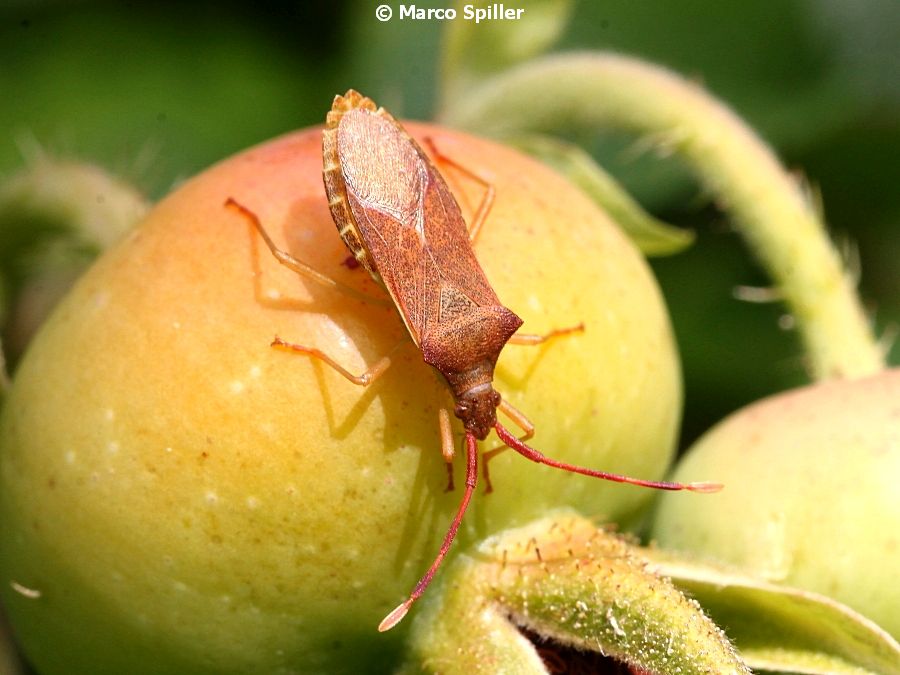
[811,498]
[182,498]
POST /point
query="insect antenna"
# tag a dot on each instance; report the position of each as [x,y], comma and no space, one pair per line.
[400,611]
[530,453]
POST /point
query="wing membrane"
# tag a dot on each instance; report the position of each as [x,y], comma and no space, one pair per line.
[409,222]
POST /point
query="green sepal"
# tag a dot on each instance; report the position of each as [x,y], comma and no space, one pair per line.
[653,237]
[780,628]
[572,583]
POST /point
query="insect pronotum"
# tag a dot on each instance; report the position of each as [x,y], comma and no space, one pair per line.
[401,222]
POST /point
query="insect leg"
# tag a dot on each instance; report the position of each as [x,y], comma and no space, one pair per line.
[486,202]
[292,263]
[518,417]
[364,380]
[530,339]
[446,445]
[520,421]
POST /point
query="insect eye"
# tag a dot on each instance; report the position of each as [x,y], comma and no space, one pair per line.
[496,398]
[461,409]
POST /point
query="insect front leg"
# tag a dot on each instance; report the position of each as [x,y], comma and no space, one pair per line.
[486,202]
[519,419]
[364,380]
[531,339]
[447,449]
[295,264]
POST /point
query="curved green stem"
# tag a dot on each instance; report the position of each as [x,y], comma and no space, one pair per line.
[769,206]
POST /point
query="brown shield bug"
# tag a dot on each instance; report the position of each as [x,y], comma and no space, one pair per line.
[400,221]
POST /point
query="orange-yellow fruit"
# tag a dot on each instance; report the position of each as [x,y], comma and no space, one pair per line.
[810,496]
[181,498]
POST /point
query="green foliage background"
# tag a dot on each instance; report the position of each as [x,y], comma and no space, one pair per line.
[156,92]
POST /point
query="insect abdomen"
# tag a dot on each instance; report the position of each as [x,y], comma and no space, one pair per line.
[335,186]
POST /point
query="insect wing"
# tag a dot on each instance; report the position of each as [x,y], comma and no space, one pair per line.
[409,222]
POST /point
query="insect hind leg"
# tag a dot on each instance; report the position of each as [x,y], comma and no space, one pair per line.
[447,449]
[364,380]
[487,201]
[531,339]
[292,263]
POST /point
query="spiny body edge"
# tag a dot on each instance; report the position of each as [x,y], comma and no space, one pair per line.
[335,184]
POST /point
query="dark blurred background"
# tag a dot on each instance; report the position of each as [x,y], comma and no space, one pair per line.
[158,91]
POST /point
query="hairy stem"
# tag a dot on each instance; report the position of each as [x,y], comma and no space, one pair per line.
[769,206]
